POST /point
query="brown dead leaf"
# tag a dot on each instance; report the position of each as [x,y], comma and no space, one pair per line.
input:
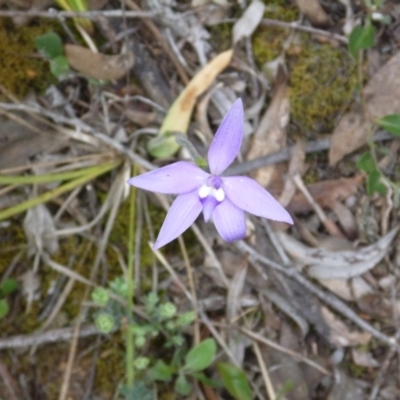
[382,97]
[340,334]
[349,135]
[22,138]
[346,218]
[325,193]
[313,11]
[271,133]
[98,65]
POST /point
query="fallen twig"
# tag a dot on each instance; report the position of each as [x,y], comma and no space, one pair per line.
[284,155]
[53,13]
[37,339]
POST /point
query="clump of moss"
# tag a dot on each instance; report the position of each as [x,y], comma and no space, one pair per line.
[322,82]
[268,41]
[21,67]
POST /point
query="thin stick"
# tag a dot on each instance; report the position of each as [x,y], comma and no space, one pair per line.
[264,372]
[285,154]
[262,339]
[54,14]
[328,223]
[309,29]
[53,336]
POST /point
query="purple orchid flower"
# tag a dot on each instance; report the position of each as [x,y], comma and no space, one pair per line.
[225,199]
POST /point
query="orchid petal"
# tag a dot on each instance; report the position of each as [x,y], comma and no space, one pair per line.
[183,212]
[229,221]
[176,178]
[227,141]
[249,196]
[209,204]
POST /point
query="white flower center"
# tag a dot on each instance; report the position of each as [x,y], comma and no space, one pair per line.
[206,191]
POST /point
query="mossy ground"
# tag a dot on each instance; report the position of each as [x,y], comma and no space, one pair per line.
[322,76]
[22,69]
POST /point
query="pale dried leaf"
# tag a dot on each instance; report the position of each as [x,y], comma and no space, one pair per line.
[340,334]
[350,290]
[40,230]
[313,11]
[346,218]
[363,358]
[97,65]
[248,22]
[353,263]
[271,133]
[325,193]
[326,264]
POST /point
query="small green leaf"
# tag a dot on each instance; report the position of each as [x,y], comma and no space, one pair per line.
[59,66]
[49,45]
[362,37]
[204,379]
[374,183]
[235,381]
[366,163]
[201,356]
[4,308]
[391,123]
[7,287]
[182,386]
[161,372]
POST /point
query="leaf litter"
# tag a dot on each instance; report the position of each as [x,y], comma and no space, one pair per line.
[74,149]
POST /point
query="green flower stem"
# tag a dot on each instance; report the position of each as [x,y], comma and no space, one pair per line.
[90,174]
[130,339]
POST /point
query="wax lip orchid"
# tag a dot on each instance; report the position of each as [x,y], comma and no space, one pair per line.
[224,199]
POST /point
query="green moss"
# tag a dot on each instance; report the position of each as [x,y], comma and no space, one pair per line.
[322,77]
[221,36]
[322,81]
[21,67]
[268,41]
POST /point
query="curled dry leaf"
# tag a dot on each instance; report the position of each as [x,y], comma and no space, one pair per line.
[382,97]
[248,22]
[325,193]
[97,65]
[313,11]
[271,133]
[346,264]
